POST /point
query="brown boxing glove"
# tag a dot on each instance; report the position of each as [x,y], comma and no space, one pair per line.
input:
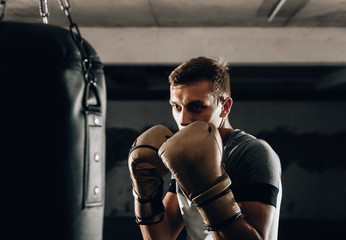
[194,157]
[147,172]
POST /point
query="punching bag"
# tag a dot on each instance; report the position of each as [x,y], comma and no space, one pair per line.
[53,136]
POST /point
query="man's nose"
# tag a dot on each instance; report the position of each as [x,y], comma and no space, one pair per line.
[185,118]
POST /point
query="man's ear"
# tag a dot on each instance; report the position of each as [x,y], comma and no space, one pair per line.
[226,106]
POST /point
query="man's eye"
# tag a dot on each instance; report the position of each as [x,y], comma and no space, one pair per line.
[196,108]
[175,107]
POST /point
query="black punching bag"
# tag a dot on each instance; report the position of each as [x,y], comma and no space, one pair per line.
[53,135]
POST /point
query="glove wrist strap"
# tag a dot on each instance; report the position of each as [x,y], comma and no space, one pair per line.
[149,212]
[219,211]
[151,220]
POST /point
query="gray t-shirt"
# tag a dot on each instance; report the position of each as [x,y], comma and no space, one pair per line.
[255,171]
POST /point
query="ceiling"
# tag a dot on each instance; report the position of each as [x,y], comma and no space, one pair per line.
[182,13]
[249,82]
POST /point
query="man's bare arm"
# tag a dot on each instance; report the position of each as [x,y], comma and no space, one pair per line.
[171,225]
[256,223]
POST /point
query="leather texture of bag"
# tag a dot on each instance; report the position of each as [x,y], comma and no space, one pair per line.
[54,147]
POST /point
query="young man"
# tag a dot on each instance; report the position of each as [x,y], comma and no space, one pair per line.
[232,193]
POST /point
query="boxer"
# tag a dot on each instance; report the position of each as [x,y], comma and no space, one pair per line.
[226,184]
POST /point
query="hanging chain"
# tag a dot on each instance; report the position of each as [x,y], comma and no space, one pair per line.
[2,9]
[87,65]
[76,35]
[44,11]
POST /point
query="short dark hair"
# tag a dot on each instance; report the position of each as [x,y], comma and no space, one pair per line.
[203,68]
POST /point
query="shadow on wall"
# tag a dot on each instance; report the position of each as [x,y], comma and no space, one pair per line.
[118,142]
[312,151]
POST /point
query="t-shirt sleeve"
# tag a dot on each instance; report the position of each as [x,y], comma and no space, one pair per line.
[260,192]
[257,176]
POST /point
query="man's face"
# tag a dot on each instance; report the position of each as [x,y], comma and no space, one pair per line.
[194,102]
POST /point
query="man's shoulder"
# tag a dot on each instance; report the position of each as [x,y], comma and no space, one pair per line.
[240,138]
[245,149]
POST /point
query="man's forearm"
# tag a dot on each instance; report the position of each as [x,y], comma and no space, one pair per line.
[239,229]
[157,231]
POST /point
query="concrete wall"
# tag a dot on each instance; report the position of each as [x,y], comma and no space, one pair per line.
[237,45]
